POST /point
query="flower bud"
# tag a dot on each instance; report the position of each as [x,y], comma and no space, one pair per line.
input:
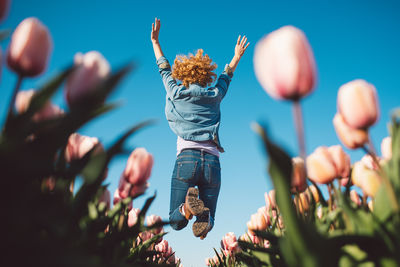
[133,216]
[386,148]
[357,102]
[92,69]
[355,197]
[341,161]
[270,201]
[367,179]
[153,219]
[320,166]
[138,167]
[299,182]
[257,222]
[48,111]
[78,145]
[30,48]
[284,64]
[229,243]
[350,137]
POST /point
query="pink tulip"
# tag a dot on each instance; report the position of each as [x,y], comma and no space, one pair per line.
[92,69]
[209,262]
[358,103]
[165,250]
[284,64]
[78,145]
[144,236]
[369,162]
[229,243]
[153,219]
[386,148]
[49,111]
[138,167]
[138,189]
[326,164]
[350,137]
[105,198]
[270,201]
[355,197]
[30,48]
[265,212]
[117,198]
[250,237]
[133,216]
[299,182]
[367,179]
[4,7]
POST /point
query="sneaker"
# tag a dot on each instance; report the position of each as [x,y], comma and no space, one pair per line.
[193,205]
[202,225]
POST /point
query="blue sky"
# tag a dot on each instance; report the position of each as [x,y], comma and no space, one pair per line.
[350,40]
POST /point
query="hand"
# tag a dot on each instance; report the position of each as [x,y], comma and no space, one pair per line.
[155,30]
[241,46]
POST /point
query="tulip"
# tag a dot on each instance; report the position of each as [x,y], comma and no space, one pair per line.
[144,236]
[137,190]
[30,48]
[165,250]
[133,216]
[48,111]
[257,222]
[229,243]
[79,145]
[117,198]
[350,137]
[153,219]
[302,202]
[341,160]
[367,179]
[299,183]
[357,102]
[386,148]
[92,69]
[270,201]
[265,212]
[4,7]
[250,237]
[105,198]
[326,164]
[355,197]
[138,167]
[369,162]
[284,64]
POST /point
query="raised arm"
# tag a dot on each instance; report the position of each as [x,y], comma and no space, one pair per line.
[240,48]
[155,30]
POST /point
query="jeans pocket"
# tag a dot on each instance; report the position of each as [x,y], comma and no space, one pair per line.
[186,171]
[214,175]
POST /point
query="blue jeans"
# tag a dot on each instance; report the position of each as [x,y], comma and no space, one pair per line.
[194,167]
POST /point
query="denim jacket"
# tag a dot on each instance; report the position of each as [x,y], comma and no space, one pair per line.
[193,113]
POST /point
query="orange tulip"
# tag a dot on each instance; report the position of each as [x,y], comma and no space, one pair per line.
[299,182]
[350,137]
[367,179]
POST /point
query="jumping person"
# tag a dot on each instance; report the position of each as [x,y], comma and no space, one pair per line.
[193,113]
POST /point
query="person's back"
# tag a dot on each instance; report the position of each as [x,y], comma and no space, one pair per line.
[193,113]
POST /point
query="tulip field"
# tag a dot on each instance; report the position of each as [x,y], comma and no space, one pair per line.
[324,210]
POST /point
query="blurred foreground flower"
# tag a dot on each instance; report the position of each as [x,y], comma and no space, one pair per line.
[284,64]
[92,69]
[30,48]
[365,178]
[49,111]
[386,148]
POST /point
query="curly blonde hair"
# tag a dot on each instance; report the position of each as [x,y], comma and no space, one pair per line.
[194,69]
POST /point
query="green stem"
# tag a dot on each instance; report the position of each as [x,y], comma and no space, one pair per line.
[298,120]
[14,96]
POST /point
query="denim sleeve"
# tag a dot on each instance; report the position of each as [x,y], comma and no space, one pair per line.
[223,83]
[170,84]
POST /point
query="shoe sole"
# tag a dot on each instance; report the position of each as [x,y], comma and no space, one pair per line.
[200,226]
[194,204]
